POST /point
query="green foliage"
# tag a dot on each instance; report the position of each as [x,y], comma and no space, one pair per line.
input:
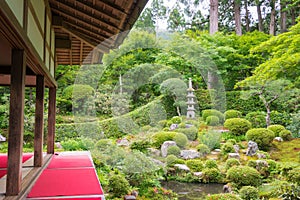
[176,120]
[237,126]
[232,162]
[140,145]
[243,176]
[294,126]
[203,149]
[160,137]
[212,121]
[262,136]
[190,132]
[230,136]
[276,129]
[288,191]
[174,150]
[232,114]
[103,144]
[249,193]
[118,185]
[210,138]
[257,119]
[294,175]
[212,112]
[195,165]
[227,148]
[286,135]
[76,145]
[282,118]
[211,175]
[211,164]
[225,196]
[181,140]
[171,160]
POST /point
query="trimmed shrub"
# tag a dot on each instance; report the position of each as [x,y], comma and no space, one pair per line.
[257,119]
[294,175]
[212,112]
[171,160]
[195,165]
[262,136]
[232,162]
[233,141]
[227,148]
[211,164]
[191,132]
[180,139]
[140,145]
[118,185]
[243,176]
[226,196]
[210,138]
[211,175]
[276,129]
[163,123]
[176,120]
[283,118]
[249,193]
[203,149]
[237,126]
[232,114]
[212,121]
[173,150]
[286,135]
[160,137]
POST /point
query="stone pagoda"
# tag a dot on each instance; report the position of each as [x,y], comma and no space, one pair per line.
[190,101]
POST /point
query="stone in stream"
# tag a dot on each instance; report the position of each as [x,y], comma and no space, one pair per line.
[189,154]
[252,148]
[165,146]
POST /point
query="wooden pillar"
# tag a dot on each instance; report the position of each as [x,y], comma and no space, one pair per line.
[39,121]
[16,123]
[51,120]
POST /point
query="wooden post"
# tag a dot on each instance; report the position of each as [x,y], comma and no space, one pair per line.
[16,123]
[39,121]
[51,120]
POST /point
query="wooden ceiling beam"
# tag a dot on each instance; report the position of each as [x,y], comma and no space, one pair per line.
[62,43]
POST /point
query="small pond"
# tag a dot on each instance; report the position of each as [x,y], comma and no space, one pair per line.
[192,191]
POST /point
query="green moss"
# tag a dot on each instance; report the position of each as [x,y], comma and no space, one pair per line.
[286,151]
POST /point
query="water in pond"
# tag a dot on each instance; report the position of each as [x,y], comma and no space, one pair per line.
[193,191]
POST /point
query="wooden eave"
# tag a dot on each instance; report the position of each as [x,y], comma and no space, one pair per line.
[93,27]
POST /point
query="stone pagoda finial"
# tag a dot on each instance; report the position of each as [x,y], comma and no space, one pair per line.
[190,101]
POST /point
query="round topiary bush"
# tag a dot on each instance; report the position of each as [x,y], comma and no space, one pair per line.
[276,129]
[171,160]
[176,120]
[257,119]
[173,150]
[211,175]
[232,162]
[232,114]
[286,135]
[294,175]
[213,112]
[195,165]
[226,196]
[118,185]
[227,148]
[212,121]
[160,137]
[180,139]
[191,132]
[211,164]
[237,126]
[262,136]
[249,193]
[203,149]
[243,176]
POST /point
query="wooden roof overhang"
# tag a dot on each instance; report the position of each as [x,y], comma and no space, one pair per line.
[85,29]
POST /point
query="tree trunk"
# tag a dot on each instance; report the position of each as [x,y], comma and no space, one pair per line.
[282,16]
[178,111]
[259,16]
[237,17]
[293,16]
[213,16]
[272,18]
[247,16]
[268,117]
[212,80]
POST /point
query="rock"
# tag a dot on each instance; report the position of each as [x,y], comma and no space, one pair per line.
[227,189]
[129,197]
[278,139]
[217,150]
[153,151]
[123,142]
[261,156]
[135,193]
[165,146]
[252,148]
[158,162]
[214,153]
[188,125]
[198,174]
[236,148]
[2,138]
[173,127]
[261,164]
[58,145]
[189,154]
[182,167]
[234,155]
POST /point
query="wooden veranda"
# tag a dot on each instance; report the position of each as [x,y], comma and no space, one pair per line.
[35,37]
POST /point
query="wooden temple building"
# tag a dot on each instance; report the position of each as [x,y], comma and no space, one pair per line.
[35,37]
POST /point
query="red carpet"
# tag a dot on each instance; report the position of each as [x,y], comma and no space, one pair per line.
[66,182]
[2,172]
[70,161]
[3,159]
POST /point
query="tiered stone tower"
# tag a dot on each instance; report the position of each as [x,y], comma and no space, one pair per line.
[190,101]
